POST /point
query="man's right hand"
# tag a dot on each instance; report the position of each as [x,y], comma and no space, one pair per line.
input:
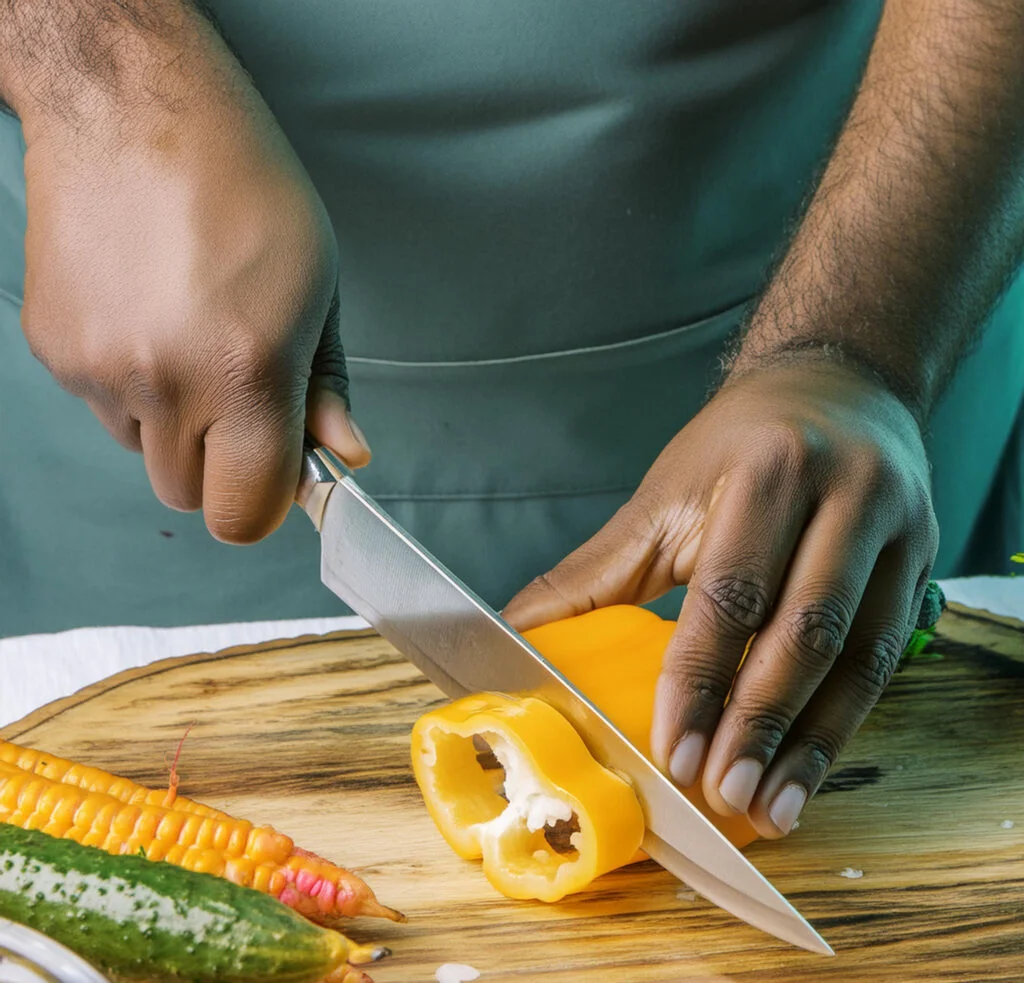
[181,270]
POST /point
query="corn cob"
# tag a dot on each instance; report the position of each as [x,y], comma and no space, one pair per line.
[252,856]
[313,886]
[97,780]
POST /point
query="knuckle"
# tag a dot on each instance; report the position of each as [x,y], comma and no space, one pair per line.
[876,472]
[737,603]
[872,667]
[785,446]
[818,751]
[246,364]
[547,583]
[150,383]
[702,686]
[794,447]
[817,632]
[764,728]
[644,515]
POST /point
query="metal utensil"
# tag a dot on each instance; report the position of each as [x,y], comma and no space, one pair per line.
[463,646]
[28,955]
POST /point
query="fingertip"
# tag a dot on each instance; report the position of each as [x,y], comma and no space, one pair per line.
[239,530]
[666,724]
[329,421]
[538,603]
[251,471]
[786,806]
[687,758]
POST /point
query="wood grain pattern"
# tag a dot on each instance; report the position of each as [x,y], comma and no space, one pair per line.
[312,736]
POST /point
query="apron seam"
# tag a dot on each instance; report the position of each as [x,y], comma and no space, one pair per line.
[602,349]
[7,295]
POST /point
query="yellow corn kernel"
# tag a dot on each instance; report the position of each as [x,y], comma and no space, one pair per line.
[90,814]
[119,788]
[157,850]
[222,835]
[175,853]
[31,789]
[187,833]
[239,870]
[35,821]
[237,839]
[204,861]
[145,827]
[170,826]
[124,822]
[276,883]
[268,846]
[63,808]
[261,878]
[205,833]
[58,770]
[98,838]
[9,796]
[97,812]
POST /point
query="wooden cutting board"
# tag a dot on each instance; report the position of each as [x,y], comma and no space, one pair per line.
[926,808]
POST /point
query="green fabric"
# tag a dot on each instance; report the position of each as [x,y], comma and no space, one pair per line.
[550,215]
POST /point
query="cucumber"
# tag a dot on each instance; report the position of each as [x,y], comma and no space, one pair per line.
[139,919]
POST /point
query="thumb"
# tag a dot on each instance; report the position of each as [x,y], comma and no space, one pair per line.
[621,564]
[328,409]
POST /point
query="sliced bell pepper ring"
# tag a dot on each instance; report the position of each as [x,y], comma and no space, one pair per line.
[511,782]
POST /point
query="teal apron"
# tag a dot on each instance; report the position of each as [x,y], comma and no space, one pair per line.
[550,214]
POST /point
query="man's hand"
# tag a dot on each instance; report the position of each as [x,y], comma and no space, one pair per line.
[795,506]
[180,268]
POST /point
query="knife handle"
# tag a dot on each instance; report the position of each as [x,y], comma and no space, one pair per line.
[321,471]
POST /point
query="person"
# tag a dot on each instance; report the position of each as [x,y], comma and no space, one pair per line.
[539,228]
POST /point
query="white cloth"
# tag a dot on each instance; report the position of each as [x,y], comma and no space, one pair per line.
[35,669]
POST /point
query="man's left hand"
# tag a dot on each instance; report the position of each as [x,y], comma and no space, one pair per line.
[796,507]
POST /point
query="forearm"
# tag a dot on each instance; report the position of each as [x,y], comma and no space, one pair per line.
[80,62]
[919,217]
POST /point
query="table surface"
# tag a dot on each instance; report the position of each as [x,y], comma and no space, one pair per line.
[926,806]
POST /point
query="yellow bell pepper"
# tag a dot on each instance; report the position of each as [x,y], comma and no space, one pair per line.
[511,782]
[613,655]
[508,780]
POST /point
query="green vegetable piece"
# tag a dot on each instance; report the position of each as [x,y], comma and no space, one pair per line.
[139,919]
[932,606]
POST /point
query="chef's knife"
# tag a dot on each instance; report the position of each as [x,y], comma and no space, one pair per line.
[463,646]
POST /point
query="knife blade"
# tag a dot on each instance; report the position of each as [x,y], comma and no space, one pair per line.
[463,646]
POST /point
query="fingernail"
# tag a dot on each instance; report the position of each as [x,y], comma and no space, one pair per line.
[740,783]
[358,433]
[786,806]
[686,759]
